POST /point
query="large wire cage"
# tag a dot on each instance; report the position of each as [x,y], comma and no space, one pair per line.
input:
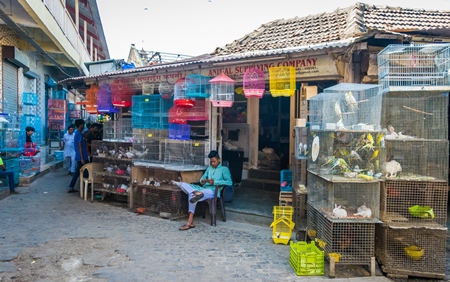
[357,200]
[343,155]
[411,67]
[346,110]
[118,130]
[417,159]
[186,153]
[414,203]
[352,242]
[415,251]
[420,115]
[150,111]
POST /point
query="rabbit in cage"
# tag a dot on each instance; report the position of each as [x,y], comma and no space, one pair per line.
[364,211]
[339,212]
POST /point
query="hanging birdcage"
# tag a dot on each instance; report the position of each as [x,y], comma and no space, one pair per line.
[121,94]
[104,104]
[179,95]
[222,91]
[282,81]
[254,83]
[178,115]
[166,89]
[197,86]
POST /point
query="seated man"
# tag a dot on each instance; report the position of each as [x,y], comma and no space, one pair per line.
[215,174]
[10,175]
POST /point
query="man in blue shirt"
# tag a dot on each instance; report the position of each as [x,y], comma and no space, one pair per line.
[215,174]
[81,155]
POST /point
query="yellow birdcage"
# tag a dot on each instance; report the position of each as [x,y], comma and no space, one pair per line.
[282,81]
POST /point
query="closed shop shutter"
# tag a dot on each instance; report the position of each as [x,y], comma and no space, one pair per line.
[10,88]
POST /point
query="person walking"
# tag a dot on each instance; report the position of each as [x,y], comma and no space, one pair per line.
[10,174]
[69,149]
[81,155]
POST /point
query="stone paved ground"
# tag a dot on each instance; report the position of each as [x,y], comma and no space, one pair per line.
[50,235]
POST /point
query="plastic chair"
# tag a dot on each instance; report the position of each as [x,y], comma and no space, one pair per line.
[84,182]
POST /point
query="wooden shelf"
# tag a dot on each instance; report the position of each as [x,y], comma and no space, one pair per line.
[114,159]
[112,175]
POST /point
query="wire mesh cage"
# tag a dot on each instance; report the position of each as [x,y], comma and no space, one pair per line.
[222,91]
[408,66]
[299,198]
[150,111]
[91,95]
[121,94]
[199,112]
[104,103]
[178,115]
[350,110]
[419,203]
[351,242]
[197,86]
[254,83]
[350,154]
[116,130]
[416,115]
[345,200]
[417,159]
[282,81]
[179,131]
[165,198]
[112,149]
[412,251]
[186,152]
[179,95]
[149,150]
[166,89]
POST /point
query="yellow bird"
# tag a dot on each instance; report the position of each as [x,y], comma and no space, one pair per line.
[375,154]
[379,138]
[321,243]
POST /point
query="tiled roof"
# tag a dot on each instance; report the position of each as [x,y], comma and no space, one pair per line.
[341,24]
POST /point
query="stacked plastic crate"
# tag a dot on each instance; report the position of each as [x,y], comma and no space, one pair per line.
[345,159]
[29,117]
[415,82]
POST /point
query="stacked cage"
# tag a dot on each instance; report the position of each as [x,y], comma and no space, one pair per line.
[57,111]
[30,117]
[150,111]
[345,154]
[149,146]
[413,205]
[9,136]
[118,130]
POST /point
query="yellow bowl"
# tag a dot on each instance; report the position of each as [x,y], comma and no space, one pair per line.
[312,233]
[414,252]
[336,256]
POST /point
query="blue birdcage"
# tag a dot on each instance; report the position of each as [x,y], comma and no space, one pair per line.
[197,86]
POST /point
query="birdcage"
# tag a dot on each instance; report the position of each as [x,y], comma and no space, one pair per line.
[417,159]
[416,114]
[91,95]
[282,81]
[414,202]
[29,98]
[179,96]
[197,86]
[299,198]
[150,111]
[348,199]
[186,153]
[29,165]
[222,91]
[148,146]
[178,115]
[117,130]
[166,89]
[167,199]
[104,104]
[349,154]
[254,83]
[179,131]
[199,112]
[413,251]
[413,67]
[121,94]
[351,242]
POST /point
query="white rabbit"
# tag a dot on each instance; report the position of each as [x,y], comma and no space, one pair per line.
[339,212]
[364,211]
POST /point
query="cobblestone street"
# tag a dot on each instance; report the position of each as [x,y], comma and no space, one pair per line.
[49,235]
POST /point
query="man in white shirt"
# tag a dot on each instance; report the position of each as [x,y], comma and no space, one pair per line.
[69,149]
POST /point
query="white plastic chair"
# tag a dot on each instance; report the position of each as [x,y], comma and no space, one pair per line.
[84,182]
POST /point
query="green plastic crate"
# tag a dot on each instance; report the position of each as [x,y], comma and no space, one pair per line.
[306,259]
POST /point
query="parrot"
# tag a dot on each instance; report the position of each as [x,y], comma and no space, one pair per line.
[337,110]
[351,101]
[375,154]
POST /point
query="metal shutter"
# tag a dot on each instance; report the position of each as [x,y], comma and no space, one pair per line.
[10,88]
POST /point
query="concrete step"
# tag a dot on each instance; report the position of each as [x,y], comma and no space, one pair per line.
[261,184]
[264,174]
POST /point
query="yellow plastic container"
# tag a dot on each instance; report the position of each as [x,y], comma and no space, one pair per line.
[306,259]
[282,230]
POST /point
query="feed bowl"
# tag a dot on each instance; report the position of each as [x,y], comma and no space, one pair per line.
[414,252]
[120,172]
[140,210]
[336,256]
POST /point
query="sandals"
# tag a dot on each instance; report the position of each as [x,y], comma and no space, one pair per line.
[196,197]
[186,227]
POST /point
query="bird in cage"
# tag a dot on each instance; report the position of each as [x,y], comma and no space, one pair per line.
[351,101]
[337,111]
[141,154]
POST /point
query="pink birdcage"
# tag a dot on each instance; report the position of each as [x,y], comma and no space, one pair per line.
[179,95]
[178,114]
[121,94]
[254,83]
[222,91]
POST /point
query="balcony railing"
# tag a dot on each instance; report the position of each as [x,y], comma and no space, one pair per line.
[62,17]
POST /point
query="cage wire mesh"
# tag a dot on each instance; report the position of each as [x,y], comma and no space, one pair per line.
[186,152]
[417,203]
[353,242]
[165,198]
[418,159]
[112,149]
[429,256]
[401,66]
[416,114]
[346,153]
[357,110]
[150,111]
[116,130]
[299,197]
[354,197]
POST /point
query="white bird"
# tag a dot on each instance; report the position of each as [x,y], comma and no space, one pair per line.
[140,154]
[351,101]
[337,110]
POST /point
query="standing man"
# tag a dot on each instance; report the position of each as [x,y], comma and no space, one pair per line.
[92,134]
[69,149]
[32,149]
[81,155]
[10,175]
